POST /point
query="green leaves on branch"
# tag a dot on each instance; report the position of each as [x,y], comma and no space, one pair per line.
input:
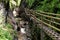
[48,5]
[18,2]
[5,33]
[30,2]
[14,4]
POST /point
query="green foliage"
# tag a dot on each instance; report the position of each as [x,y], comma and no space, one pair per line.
[5,32]
[14,3]
[46,5]
[30,2]
[8,26]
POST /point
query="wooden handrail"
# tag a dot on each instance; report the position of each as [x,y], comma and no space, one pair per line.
[47,28]
[33,12]
[48,13]
[39,11]
[52,21]
[48,16]
[53,34]
[48,25]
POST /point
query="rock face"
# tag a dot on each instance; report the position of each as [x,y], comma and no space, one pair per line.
[22,36]
[23,32]
[2,15]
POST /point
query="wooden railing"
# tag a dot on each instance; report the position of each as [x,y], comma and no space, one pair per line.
[48,28]
[45,17]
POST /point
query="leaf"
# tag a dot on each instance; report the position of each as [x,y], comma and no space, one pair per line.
[18,2]
[30,2]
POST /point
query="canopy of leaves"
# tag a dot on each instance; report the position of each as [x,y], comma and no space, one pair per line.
[45,5]
[30,3]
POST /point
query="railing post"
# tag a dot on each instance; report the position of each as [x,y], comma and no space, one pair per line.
[42,32]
